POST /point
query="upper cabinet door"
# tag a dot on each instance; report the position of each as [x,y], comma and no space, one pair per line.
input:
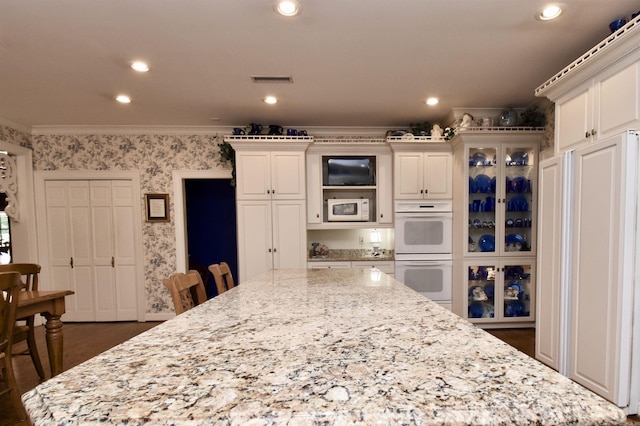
[270,175]
[253,171]
[288,175]
[573,119]
[437,175]
[423,175]
[409,175]
[617,101]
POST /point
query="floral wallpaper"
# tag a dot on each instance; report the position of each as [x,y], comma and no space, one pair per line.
[155,156]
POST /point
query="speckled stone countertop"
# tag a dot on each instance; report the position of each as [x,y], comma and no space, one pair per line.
[325,346]
[337,255]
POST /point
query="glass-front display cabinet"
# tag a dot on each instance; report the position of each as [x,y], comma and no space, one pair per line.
[501,199]
[499,292]
[495,184]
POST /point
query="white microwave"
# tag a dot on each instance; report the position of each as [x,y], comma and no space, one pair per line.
[348,210]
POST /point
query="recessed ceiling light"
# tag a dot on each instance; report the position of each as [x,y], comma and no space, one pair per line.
[432,101]
[123,99]
[287,7]
[270,100]
[549,12]
[140,66]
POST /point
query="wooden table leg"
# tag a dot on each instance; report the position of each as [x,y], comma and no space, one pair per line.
[53,328]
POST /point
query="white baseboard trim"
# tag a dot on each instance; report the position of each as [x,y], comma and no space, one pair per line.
[159,317]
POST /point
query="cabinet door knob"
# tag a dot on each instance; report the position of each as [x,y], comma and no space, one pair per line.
[273,191]
[274,250]
[269,250]
[317,215]
[268,192]
[586,134]
[381,215]
[593,132]
[422,191]
[426,191]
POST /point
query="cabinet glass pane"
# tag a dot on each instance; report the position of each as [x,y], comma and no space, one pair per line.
[482,200]
[518,289]
[481,292]
[519,181]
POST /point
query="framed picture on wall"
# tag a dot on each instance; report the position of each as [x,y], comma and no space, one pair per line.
[157,207]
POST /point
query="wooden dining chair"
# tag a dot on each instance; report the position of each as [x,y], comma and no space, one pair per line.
[10,286]
[26,331]
[222,276]
[187,290]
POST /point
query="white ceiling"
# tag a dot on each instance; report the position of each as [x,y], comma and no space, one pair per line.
[353,62]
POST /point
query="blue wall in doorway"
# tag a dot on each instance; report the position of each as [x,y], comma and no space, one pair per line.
[211,226]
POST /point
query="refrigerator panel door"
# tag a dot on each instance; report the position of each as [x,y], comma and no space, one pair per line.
[600,327]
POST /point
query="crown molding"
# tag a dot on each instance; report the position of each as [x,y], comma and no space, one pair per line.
[198,130]
[15,125]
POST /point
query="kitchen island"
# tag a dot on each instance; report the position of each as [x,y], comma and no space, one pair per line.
[317,346]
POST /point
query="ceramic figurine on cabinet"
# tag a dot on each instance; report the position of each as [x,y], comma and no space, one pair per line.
[436,132]
[467,120]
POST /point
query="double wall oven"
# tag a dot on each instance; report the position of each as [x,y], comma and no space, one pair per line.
[423,239]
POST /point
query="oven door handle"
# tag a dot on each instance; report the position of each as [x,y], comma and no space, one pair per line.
[423,263]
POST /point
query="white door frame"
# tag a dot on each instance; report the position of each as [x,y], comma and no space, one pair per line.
[179,208]
[24,242]
[40,177]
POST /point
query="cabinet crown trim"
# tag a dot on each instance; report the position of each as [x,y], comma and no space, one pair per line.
[611,49]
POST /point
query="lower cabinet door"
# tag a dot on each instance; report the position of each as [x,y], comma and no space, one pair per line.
[289,234]
[254,239]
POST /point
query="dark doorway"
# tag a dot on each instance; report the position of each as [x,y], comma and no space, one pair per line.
[211,226]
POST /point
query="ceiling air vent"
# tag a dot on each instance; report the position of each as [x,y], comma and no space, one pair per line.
[272,79]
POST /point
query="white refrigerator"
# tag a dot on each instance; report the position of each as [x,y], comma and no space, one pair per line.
[588,282]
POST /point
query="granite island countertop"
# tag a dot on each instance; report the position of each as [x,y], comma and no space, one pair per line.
[316,346]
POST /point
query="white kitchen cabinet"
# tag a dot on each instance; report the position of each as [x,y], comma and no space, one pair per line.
[587,283]
[386,266]
[550,326]
[271,235]
[498,291]
[495,194]
[604,105]
[319,191]
[270,194]
[314,188]
[384,213]
[494,221]
[588,289]
[270,175]
[91,248]
[329,265]
[422,175]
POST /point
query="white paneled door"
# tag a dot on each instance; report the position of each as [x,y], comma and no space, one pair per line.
[91,247]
